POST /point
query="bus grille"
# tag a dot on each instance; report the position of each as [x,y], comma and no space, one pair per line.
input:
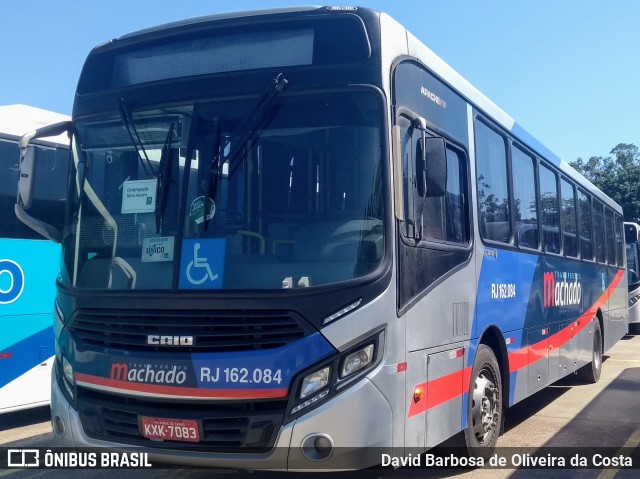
[213,331]
[240,427]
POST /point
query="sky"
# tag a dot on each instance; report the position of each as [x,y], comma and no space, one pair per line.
[566,70]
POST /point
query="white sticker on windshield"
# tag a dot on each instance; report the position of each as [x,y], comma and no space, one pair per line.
[157,249]
[139,196]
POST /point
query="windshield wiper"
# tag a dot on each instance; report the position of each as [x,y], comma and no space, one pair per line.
[164,177]
[253,123]
[129,124]
[211,182]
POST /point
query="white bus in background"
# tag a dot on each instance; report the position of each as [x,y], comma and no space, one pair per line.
[632,241]
[28,262]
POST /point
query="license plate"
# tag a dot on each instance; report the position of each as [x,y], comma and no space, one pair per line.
[162,429]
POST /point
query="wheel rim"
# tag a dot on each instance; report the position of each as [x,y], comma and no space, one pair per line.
[485,407]
[597,349]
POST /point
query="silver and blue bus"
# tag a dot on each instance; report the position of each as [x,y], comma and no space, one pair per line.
[632,241]
[28,262]
[296,239]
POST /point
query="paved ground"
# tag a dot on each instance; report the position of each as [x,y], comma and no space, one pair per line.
[22,425]
[567,414]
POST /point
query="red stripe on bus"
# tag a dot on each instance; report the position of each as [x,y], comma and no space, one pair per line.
[522,358]
[443,389]
[180,391]
[440,390]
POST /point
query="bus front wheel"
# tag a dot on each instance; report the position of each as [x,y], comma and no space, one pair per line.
[484,404]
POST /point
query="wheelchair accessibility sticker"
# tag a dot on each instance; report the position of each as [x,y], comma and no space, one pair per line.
[202,263]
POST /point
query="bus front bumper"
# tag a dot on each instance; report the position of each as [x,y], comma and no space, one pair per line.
[355,427]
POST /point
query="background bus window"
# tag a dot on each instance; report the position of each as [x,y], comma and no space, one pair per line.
[586,232]
[619,241]
[569,222]
[493,191]
[549,210]
[8,188]
[525,204]
[48,202]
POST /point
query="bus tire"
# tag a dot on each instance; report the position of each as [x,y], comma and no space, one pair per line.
[590,373]
[484,404]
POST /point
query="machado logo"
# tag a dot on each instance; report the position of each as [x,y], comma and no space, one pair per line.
[561,289]
[146,373]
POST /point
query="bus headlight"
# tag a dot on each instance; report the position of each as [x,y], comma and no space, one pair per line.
[357,361]
[67,369]
[314,382]
[335,375]
[68,379]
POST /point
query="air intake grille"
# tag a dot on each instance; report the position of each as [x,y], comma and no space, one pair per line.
[226,426]
[213,331]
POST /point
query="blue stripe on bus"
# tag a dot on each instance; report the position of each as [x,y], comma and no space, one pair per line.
[25,355]
[504,293]
[203,375]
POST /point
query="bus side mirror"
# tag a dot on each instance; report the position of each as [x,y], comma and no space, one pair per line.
[27,176]
[26,181]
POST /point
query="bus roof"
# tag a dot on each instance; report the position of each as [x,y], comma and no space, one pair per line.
[16,120]
[415,48]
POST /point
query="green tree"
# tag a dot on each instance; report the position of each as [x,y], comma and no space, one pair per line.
[617,175]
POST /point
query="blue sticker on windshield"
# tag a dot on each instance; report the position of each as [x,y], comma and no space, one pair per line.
[202,263]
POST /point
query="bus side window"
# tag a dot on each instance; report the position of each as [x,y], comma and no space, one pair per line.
[549,210]
[445,217]
[569,223]
[598,229]
[586,233]
[525,202]
[493,191]
[610,236]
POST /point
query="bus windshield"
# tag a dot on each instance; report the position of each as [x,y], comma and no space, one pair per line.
[216,195]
